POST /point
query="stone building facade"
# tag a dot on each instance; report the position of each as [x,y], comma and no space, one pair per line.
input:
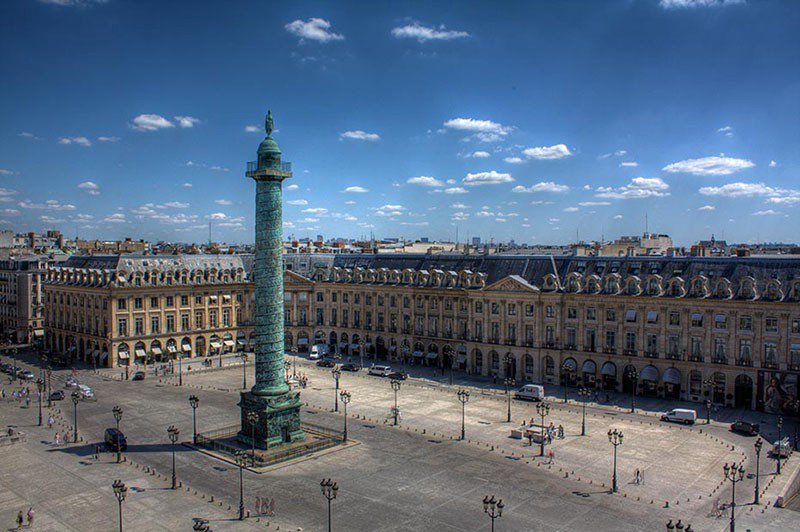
[724,329]
[128,309]
[22,298]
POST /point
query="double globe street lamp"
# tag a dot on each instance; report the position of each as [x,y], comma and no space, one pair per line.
[543,409]
[509,383]
[463,396]
[336,373]
[734,473]
[759,442]
[395,387]
[173,433]
[117,411]
[493,508]
[120,491]
[40,388]
[584,394]
[345,396]
[329,490]
[615,439]
[194,402]
[76,397]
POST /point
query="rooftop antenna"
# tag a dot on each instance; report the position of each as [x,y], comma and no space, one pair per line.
[646,224]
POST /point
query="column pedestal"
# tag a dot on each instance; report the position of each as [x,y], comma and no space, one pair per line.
[278,419]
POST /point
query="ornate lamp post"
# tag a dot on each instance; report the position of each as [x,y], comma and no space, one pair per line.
[584,394]
[493,508]
[241,460]
[174,433]
[201,525]
[615,439]
[509,383]
[567,371]
[543,409]
[40,388]
[252,419]
[395,386]
[117,411]
[678,526]
[180,367]
[345,395]
[76,397]
[120,490]
[709,384]
[463,396]
[633,378]
[243,356]
[336,372]
[194,402]
[780,447]
[329,490]
[757,445]
[734,473]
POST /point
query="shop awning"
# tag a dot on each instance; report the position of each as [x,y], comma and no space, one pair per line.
[186,347]
[242,341]
[433,355]
[609,369]
[650,373]
[123,354]
[228,343]
[212,299]
[418,354]
[672,376]
[156,350]
[461,359]
[302,341]
[342,345]
[226,298]
[38,332]
[215,345]
[140,353]
[353,346]
[171,348]
[392,348]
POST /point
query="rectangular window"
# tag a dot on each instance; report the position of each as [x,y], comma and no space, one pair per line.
[495,308]
[478,307]
[591,314]
[720,351]
[198,300]
[122,327]
[652,316]
[226,317]
[137,302]
[590,340]
[512,309]
[630,316]
[139,327]
[675,318]
[746,323]
[697,349]
[795,326]
[320,297]
[652,343]
[184,301]
[572,313]
[770,354]
[745,352]
[184,322]
[529,311]
[697,319]
[572,338]
[673,345]
[121,304]
[345,297]
[212,319]
[198,319]
[630,343]
[794,357]
[406,302]
[771,324]
[549,336]
[303,297]
[611,314]
[611,340]
[170,301]
[287,297]
[320,316]
[153,302]
[333,316]
[550,311]
[170,323]
[720,321]
[333,297]
[154,325]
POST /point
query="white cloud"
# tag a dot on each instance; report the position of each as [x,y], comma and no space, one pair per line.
[217,216]
[360,135]
[483,130]
[314,29]
[349,202]
[741,190]
[773,164]
[27,135]
[571,209]
[252,129]
[187,185]
[415,224]
[545,186]
[451,181]
[638,188]
[726,130]
[50,205]
[355,190]
[116,218]
[455,190]
[768,212]
[173,205]
[85,217]
[90,187]
[554,220]
[480,154]
[484,214]
[629,164]
[557,151]
[297,202]
[425,181]
[5,172]
[219,169]
[80,141]
[344,216]
[108,139]
[292,188]
[618,217]
[618,153]
[9,212]
[187,121]
[150,122]
[487,178]
[459,205]
[709,166]
[707,208]
[73,3]
[690,4]
[594,203]
[223,202]
[425,33]
[315,210]
[514,160]
[460,216]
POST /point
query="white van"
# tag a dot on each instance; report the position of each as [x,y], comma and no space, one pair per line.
[318,351]
[380,371]
[680,415]
[530,392]
[85,392]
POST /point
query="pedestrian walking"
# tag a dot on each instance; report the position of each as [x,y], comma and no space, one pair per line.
[641,477]
[636,477]
[27,401]
[30,517]
[551,456]
[50,422]
[560,432]
[258,504]
[20,520]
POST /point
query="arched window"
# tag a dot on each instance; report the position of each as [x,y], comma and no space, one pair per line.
[549,366]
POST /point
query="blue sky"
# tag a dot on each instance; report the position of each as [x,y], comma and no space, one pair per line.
[534,121]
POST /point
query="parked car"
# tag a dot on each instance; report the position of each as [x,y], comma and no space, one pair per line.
[530,392]
[326,363]
[7,368]
[349,367]
[138,376]
[380,370]
[58,395]
[71,382]
[745,427]
[680,415]
[85,392]
[115,440]
[398,375]
[25,375]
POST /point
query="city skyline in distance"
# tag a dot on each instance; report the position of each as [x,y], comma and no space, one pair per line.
[535,124]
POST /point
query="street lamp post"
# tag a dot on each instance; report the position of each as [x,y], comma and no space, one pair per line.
[345,395]
[13,352]
[49,374]
[241,460]
[780,447]
[709,384]
[120,490]
[117,411]
[336,372]
[252,418]
[329,490]
[757,445]
[40,388]
[395,386]
[493,508]
[76,397]
[615,438]
[708,411]
[678,526]
[180,368]
[566,371]
[543,409]
[194,402]
[633,378]
[734,473]
[509,383]
[243,355]
[463,396]
[584,394]
[173,437]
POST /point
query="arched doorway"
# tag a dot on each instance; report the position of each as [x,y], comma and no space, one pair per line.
[510,365]
[589,371]
[718,392]
[241,341]
[319,337]
[569,372]
[649,379]
[200,346]
[527,367]
[672,383]
[172,348]
[344,344]
[609,376]
[228,345]
[155,350]
[123,355]
[494,363]
[380,347]
[302,341]
[743,392]
[549,368]
[477,356]
[433,355]
[140,353]
[448,360]
[288,341]
[628,380]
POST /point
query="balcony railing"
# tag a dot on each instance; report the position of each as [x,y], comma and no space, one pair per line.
[610,350]
[719,360]
[570,347]
[630,352]
[651,354]
[744,362]
[695,358]
[673,356]
[769,365]
[252,166]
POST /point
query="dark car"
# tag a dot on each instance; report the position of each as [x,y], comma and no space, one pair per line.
[745,427]
[138,376]
[57,395]
[398,376]
[326,363]
[349,367]
[7,368]
[115,440]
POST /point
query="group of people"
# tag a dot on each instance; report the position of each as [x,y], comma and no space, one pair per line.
[22,516]
[22,394]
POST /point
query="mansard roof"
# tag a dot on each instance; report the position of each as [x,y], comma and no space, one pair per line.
[136,262]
